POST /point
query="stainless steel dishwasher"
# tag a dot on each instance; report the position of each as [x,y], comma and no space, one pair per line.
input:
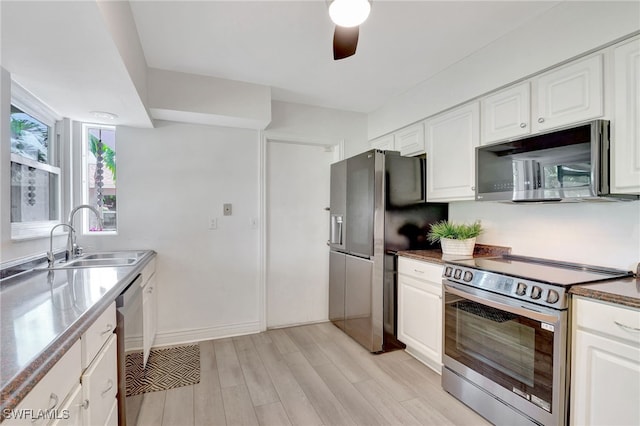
[130,356]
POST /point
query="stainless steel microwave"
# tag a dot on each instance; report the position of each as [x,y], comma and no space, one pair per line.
[569,164]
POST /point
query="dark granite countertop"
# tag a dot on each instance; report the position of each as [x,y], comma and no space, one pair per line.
[436,256]
[43,313]
[624,292]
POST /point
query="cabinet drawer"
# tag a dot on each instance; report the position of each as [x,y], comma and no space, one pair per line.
[420,270]
[51,391]
[93,339]
[100,384]
[614,320]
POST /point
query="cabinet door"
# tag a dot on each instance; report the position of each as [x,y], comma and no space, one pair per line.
[625,141]
[50,393]
[72,409]
[410,141]
[570,94]
[385,143]
[605,381]
[149,316]
[100,384]
[451,141]
[420,319]
[506,114]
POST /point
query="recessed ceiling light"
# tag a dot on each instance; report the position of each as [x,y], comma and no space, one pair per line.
[103,115]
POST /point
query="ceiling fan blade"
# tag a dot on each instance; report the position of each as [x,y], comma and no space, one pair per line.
[345,41]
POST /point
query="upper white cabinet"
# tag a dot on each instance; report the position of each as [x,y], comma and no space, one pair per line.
[506,114]
[385,143]
[605,375]
[625,127]
[569,94]
[410,140]
[451,139]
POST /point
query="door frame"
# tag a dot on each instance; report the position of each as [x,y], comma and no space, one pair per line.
[266,136]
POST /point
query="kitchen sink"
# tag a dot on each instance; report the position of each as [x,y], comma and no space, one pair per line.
[135,255]
[92,263]
[101,260]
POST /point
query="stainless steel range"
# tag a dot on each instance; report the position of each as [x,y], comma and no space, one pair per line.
[506,335]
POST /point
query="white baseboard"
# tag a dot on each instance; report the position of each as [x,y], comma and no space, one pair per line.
[274,327]
[181,337]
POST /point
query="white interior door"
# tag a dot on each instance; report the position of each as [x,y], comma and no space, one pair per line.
[297,258]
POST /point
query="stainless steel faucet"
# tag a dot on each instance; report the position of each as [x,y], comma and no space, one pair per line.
[72,247]
[50,256]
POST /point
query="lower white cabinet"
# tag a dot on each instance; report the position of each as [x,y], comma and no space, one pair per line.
[420,310]
[100,384]
[605,374]
[72,409]
[46,400]
[149,308]
[149,316]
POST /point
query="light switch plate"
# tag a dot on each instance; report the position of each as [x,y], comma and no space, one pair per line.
[226,208]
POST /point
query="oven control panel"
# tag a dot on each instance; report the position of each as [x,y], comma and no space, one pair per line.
[519,288]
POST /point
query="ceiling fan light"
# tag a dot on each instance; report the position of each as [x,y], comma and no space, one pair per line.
[349,13]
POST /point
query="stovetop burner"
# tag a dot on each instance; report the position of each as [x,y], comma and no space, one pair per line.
[541,281]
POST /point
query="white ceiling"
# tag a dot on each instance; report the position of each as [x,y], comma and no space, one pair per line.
[61,50]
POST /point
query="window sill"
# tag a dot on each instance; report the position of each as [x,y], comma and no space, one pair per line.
[100,234]
[34,230]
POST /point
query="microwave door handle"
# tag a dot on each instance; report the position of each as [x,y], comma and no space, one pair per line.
[517,310]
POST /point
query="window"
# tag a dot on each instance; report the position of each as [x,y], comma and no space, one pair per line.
[99,176]
[35,172]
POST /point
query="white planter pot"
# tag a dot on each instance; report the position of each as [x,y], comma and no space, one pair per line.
[457,247]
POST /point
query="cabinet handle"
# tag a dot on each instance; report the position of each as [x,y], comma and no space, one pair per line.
[84,404]
[109,387]
[473,188]
[540,120]
[419,271]
[53,397]
[523,125]
[107,330]
[627,327]
[150,289]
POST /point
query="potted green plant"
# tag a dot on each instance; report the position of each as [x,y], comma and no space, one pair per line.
[455,239]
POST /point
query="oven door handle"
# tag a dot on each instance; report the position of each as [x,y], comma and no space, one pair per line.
[494,302]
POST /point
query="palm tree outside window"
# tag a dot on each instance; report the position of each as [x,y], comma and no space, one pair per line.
[99,176]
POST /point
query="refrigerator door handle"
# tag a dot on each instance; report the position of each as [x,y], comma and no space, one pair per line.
[336,229]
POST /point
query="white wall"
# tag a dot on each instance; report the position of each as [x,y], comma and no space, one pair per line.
[311,122]
[569,29]
[171,181]
[605,234]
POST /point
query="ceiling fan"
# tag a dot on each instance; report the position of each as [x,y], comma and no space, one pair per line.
[347,15]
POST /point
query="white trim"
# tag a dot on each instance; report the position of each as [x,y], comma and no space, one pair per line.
[266,137]
[262,243]
[33,106]
[171,338]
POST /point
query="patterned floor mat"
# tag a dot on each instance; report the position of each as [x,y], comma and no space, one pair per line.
[167,368]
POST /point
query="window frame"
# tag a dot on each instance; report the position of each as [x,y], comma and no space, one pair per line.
[29,104]
[84,179]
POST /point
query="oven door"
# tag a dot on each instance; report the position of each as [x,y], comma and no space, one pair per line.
[514,350]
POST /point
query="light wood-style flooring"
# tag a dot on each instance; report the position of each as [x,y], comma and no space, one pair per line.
[306,375]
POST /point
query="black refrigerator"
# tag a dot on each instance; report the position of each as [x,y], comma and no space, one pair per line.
[377,207]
